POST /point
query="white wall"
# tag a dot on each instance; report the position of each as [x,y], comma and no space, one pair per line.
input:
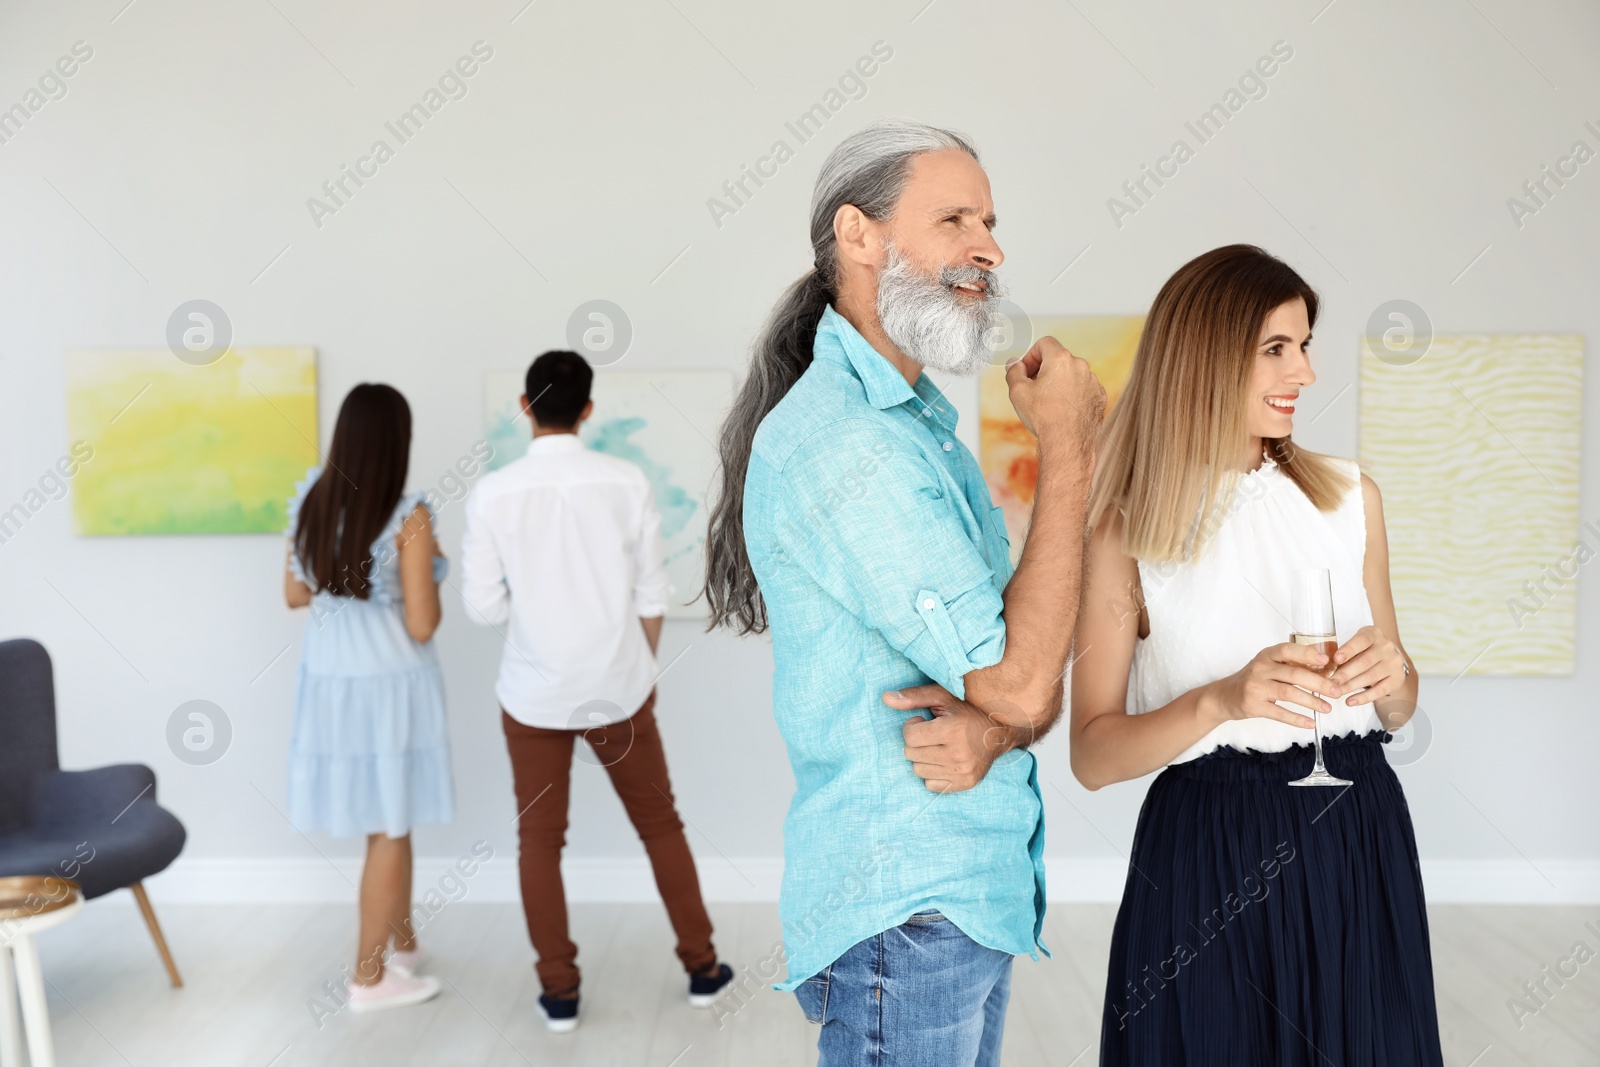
[180,161]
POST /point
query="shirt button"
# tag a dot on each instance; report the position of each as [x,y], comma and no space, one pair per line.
[928,603]
[926,412]
[948,446]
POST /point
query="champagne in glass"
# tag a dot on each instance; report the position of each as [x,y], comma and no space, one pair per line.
[1311,623]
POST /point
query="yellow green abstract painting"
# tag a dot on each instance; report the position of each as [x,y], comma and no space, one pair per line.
[183,449]
[1474,447]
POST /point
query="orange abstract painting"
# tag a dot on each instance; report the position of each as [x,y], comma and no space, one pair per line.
[1007,452]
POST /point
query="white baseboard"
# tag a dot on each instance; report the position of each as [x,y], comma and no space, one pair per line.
[1512,881]
[1445,881]
[628,880]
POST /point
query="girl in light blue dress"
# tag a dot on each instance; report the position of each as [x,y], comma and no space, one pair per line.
[370,752]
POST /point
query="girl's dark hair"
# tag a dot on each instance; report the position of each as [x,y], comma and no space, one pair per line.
[360,485]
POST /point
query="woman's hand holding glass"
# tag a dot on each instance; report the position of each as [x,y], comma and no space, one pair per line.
[1370,666]
[1292,673]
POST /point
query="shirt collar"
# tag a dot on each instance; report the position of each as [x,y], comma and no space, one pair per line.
[885,386]
[555,442]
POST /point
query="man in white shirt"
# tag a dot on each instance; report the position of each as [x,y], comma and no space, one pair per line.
[562,555]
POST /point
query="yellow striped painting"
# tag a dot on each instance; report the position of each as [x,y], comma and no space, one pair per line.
[182,449]
[1475,450]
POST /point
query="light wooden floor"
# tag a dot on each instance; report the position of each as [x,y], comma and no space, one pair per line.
[250,972]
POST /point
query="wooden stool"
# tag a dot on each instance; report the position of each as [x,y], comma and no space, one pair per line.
[29,904]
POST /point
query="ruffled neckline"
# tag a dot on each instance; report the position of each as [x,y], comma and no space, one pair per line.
[1269,467]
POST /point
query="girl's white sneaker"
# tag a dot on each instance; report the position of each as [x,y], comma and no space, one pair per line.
[395,989]
[406,962]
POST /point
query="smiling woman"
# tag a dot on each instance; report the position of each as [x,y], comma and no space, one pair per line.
[1201,343]
[1206,519]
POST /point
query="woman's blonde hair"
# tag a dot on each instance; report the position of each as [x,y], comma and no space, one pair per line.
[1166,452]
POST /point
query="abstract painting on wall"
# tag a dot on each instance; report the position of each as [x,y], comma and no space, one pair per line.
[663,422]
[1474,447]
[1007,452]
[184,449]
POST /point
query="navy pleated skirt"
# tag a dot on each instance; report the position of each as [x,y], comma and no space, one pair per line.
[1264,924]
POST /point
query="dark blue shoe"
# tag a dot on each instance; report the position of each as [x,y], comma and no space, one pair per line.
[703,991]
[560,1014]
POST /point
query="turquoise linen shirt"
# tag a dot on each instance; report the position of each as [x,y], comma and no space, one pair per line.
[881,560]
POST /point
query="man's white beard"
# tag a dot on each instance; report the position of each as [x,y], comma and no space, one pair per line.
[927,321]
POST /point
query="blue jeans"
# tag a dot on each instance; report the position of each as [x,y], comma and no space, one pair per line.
[923,994]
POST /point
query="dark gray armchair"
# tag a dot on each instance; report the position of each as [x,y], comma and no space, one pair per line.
[102,828]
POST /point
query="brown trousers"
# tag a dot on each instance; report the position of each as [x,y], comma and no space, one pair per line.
[631,753]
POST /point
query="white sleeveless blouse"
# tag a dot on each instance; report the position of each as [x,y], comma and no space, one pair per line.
[1210,615]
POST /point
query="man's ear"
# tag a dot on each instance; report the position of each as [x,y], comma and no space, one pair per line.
[859,238]
[588,409]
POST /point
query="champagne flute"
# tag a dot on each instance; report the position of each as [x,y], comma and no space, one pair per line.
[1311,624]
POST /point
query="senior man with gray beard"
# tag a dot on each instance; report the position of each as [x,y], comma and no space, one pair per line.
[855,525]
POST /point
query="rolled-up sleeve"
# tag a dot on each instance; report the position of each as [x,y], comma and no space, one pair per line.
[483,572]
[864,513]
[652,589]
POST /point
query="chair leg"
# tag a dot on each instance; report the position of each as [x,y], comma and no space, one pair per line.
[30,989]
[155,932]
[10,1027]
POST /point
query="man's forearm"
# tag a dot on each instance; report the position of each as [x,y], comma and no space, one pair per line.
[1011,737]
[652,630]
[1041,600]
